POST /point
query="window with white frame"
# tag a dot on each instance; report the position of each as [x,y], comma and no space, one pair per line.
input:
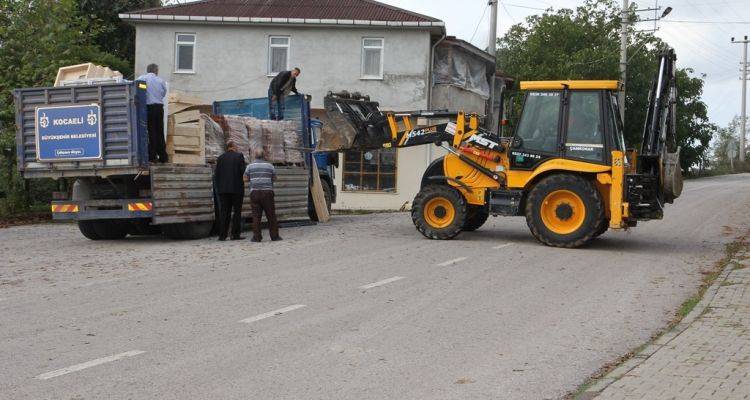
[278,54]
[372,58]
[184,54]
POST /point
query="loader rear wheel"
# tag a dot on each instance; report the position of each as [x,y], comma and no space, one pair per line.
[476,216]
[564,210]
[439,212]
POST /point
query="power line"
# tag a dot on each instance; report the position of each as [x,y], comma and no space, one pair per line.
[679,21]
[481,19]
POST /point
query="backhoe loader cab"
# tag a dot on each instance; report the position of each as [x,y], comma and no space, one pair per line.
[564,169]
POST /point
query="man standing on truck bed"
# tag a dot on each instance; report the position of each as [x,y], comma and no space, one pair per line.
[281,85]
[156,89]
[231,189]
[260,176]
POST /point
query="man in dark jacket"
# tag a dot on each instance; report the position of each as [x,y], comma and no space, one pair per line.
[230,168]
[281,85]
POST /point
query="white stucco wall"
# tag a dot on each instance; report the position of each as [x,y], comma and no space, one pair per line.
[231,63]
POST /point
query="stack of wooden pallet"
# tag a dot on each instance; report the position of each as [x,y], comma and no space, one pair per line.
[85,73]
[186,140]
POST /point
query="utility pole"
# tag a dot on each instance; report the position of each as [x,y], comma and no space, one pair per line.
[623,57]
[492,46]
[743,77]
[492,49]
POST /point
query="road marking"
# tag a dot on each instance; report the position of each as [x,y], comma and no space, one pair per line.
[272,313]
[381,283]
[503,246]
[89,364]
[451,262]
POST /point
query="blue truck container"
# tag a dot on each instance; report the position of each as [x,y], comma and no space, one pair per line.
[122,129]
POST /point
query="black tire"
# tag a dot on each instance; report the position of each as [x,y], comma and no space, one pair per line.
[476,216]
[424,204]
[328,194]
[142,227]
[104,229]
[188,230]
[569,226]
[603,227]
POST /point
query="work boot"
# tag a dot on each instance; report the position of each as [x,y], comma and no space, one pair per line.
[238,238]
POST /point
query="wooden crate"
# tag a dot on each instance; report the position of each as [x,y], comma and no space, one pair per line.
[186,142]
[86,71]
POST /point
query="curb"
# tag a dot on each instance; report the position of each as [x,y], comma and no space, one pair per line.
[599,385]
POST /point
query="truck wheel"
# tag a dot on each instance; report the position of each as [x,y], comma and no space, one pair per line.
[188,230]
[328,194]
[476,216]
[104,229]
[564,210]
[141,227]
[439,212]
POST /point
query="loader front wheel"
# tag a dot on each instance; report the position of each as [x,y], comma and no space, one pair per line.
[439,212]
[564,210]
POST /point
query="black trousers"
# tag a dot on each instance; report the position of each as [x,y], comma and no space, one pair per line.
[230,202]
[157,148]
[263,201]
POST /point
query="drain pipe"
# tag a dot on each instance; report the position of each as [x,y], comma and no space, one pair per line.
[431,84]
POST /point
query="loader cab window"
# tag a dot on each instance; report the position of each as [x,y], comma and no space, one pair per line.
[585,128]
[538,127]
[618,134]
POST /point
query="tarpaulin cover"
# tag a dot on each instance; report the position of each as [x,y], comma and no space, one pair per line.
[215,142]
[292,143]
[454,66]
[237,133]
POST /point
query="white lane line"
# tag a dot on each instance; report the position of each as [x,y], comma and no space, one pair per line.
[451,262]
[381,283]
[272,313]
[503,246]
[89,364]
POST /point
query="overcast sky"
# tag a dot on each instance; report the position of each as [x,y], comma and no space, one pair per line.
[705,47]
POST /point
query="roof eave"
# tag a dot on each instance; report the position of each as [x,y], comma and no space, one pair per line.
[437,26]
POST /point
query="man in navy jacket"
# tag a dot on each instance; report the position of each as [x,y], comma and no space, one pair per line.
[280,86]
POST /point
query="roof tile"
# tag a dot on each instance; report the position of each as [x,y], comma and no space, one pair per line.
[306,9]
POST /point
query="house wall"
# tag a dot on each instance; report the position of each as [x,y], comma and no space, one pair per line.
[231,62]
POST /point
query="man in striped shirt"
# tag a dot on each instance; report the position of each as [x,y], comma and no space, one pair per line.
[260,176]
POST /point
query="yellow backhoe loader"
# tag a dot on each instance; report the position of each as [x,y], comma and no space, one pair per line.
[566,168]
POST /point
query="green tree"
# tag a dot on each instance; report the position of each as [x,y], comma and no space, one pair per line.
[726,142]
[113,35]
[36,38]
[584,44]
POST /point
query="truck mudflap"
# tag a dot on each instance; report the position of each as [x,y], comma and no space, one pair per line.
[101,209]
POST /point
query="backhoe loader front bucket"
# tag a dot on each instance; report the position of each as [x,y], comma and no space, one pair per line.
[352,122]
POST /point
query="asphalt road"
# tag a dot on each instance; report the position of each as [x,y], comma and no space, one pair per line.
[369,308]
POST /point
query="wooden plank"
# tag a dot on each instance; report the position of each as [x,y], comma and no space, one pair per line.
[187,178]
[186,141]
[188,129]
[202,184]
[190,159]
[186,116]
[182,194]
[182,219]
[319,199]
[168,168]
[199,202]
[183,211]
